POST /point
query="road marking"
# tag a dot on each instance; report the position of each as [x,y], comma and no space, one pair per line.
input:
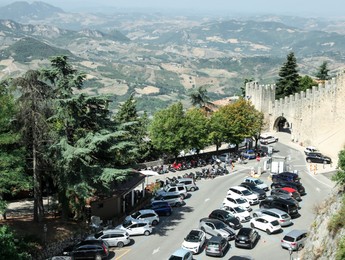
[120,251]
[318,189]
[207,199]
[156,251]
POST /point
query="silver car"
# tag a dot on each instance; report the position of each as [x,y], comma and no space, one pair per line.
[294,240]
[216,227]
[283,218]
[144,214]
[114,237]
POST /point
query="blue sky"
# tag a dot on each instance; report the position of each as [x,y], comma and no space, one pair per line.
[327,8]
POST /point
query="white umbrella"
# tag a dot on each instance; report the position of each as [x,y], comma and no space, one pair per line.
[149,173]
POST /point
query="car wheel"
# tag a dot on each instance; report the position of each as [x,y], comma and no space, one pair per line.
[309,161]
[146,233]
[202,229]
[255,215]
[252,225]
[178,204]
[120,244]
[98,257]
[268,232]
[324,162]
[154,223]
[192,189]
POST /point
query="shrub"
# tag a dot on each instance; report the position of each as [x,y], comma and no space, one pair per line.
[341,250]
[337,221]
[11,247]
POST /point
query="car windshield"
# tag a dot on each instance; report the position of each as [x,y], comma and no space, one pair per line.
[135,215]
[239,209]
[193,236]
[247,192]
[240,201]
[220,225]
[275,223]
[259,181]
[285,216]
[127,223]
[174,257]
[98,235]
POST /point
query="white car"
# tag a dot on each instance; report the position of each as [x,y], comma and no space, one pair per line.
[259,183]
[114,237]
[238,212]
[144,214]
[310,149]
[194,241]
[252,198]
[136,227]
[268,139]
[266,223]
[236,200]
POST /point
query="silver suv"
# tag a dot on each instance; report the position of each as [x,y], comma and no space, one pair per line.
[114,237]
[216,227]
[181,189]
[188,183]
[283,218]
[294,240]
[144,214]
[173,198]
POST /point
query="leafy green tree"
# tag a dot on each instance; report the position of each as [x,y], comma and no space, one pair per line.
[288,81]
[322,73]
[217,129]
[12,152]
[196,129]
[306,82]
[240,120]
[198,96]
[339,176]
[166,130]
[11,246]
[34,105]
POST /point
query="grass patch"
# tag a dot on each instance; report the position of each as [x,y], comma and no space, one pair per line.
[337,221]
[341,250]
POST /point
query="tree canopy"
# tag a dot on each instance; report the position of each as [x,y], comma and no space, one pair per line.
[322,73]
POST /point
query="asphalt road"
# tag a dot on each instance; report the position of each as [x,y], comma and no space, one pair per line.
[169,233]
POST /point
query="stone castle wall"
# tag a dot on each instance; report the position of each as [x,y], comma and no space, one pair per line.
[315,116]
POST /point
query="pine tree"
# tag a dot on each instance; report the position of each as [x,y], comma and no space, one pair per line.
[322,73]
[288,81]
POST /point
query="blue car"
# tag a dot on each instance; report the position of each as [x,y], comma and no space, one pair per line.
[162,208]
[249,154]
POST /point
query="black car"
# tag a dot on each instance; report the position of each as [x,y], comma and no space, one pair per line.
[225,217]
[217,246]
[297,186]
[287,191]
[255,189]
[286,176]
[318,158]
[246,237]
[88,249]
[162,208]
[285,205]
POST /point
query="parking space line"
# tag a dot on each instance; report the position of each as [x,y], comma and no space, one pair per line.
[124,253]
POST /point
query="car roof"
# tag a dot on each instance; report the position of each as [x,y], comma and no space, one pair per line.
[113,231]
[180,252]
[143,211]
[274,210]
[234,196]
[220,211]
[213,220]
[267,217]
[296,232]
[215,239]
[238,188]
[245,231]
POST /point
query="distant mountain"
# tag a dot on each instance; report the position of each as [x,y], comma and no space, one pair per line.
[21,11]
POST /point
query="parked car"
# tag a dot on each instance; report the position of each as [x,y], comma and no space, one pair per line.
[136,228]
[226,217]
[255,189]
[188,183]
[216,227]
[181,254]
[181,189]
[114,237]
[249,154]
[217,246]
[267,139]
[240,213]
[144,214]
[250,196]
[246,237]
[259,183]
[297,186]
[310,149]
[286,176]
[236,200]
[295,239]
[266,223]
[318,158]
[88,249]
[194,241]
[162,208]
[283,218]
[287,191]
[173,198]
[279,203]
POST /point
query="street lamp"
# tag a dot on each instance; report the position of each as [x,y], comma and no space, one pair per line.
[290,252]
